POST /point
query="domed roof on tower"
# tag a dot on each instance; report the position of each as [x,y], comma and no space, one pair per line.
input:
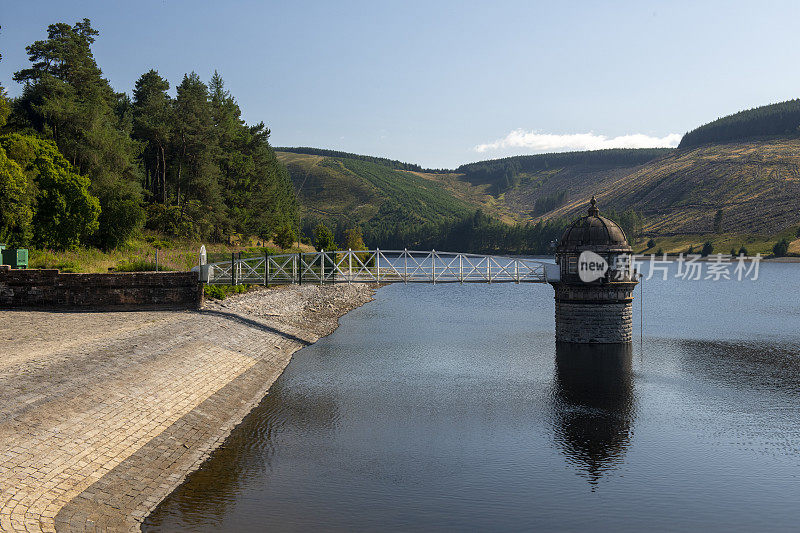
[595,233]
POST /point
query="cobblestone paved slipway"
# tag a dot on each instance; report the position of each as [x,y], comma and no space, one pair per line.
[103,414]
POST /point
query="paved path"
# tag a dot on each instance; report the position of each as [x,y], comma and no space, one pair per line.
[102,415]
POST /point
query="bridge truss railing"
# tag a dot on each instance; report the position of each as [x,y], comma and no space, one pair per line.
[376,266]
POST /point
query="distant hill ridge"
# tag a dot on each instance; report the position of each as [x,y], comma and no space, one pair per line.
[503,174]
[391,163]
[781,119]
[611,156]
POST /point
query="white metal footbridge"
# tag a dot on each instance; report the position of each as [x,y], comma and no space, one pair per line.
[377,266]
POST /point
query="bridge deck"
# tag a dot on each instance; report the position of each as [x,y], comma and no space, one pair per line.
[378,266]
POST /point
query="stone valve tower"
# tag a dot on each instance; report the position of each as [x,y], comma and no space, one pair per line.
[594,294]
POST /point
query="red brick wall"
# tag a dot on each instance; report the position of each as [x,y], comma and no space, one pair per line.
[50,288]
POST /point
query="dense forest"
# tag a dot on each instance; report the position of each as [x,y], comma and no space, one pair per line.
[505,173]
[474,232]
[391,163]
[775,119]
[83,164]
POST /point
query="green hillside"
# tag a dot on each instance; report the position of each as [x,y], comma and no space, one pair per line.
[345,192]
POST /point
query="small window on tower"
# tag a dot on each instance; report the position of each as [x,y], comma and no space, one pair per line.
[572,265]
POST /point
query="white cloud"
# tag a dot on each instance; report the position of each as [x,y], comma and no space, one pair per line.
[551,142]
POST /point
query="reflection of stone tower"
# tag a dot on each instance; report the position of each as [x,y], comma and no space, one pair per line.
[598,311]
[594,403]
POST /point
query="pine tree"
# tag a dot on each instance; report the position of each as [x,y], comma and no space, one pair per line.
[152,124]
[196,187]
[323,239]
[67,99]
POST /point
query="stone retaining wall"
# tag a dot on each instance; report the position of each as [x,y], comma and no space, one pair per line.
[53,289]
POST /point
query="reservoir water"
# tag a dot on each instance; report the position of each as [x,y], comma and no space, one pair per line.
[451,407]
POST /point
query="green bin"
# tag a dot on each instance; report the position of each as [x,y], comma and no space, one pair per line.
[15,257]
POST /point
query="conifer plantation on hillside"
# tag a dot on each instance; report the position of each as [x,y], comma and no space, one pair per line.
[781,119]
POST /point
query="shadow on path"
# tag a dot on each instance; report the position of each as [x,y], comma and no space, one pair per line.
[254,324]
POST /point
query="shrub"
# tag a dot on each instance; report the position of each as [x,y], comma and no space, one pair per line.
[781,248]
[67,266]
[168,219]
[220,292]
[285,238]
[121,213]
[708,249]
[355,239]
[155,242]
[650,243]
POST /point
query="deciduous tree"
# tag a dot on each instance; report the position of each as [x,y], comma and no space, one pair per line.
[66,214]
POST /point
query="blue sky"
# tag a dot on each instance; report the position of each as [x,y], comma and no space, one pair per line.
[444,83]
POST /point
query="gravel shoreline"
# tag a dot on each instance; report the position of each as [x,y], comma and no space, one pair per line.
[103,414]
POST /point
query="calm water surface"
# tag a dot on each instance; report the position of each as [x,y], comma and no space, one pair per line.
[451,407]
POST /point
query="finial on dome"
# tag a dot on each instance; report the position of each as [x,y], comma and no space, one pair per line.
[593,210]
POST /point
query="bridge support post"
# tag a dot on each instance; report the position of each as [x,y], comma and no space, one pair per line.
[433,266]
